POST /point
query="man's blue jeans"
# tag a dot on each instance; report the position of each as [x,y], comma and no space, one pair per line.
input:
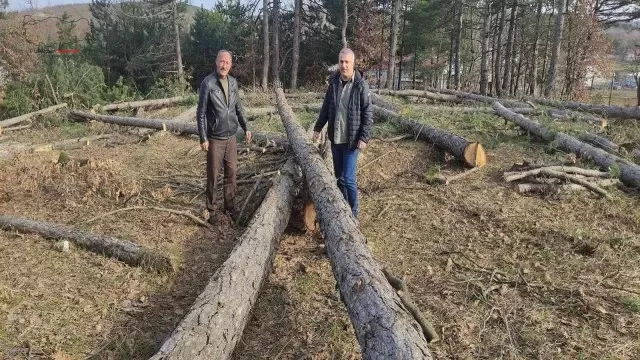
[344,167]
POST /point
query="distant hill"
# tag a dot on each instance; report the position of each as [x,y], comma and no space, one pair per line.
[44,27]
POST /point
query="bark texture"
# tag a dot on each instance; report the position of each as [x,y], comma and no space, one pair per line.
[629,172]
[125,251]
[471,153]
[383,327]
[25,117]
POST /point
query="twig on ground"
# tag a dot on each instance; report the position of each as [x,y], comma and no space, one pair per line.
[374,160]
[593,187]
[246,201]
[172,211]
[448,179]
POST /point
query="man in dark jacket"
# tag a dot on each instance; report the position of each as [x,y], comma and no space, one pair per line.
[348,110]
[219,114]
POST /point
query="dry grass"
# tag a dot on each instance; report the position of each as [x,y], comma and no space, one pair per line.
[501,275]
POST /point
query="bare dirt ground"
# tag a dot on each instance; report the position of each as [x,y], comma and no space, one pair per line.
[500,275]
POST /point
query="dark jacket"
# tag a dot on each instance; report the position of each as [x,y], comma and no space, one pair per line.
[216,119]
[359,112]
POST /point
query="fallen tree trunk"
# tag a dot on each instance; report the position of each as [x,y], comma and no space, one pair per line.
[381,102]
[145,103]
[481,98]
[561,114]
[629,172]
[214,324]
[169,125]
[273,110]
[77,143]
[601,142]
[484,110]
[603,110]
[423,94]
[471,153]
[25,117]
[544,188]
[125,251]
[383,327]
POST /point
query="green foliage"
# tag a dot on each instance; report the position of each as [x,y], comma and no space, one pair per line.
[228,27]
[135,40]
[66,80]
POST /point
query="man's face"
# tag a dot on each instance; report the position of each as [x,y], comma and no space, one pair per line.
[223,64]
[346,65]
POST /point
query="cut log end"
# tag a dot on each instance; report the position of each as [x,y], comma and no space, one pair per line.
[474,155]
[309,217]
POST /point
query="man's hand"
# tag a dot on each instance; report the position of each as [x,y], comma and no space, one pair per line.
[316,136]
[361,145]
[204,146]
[248,136]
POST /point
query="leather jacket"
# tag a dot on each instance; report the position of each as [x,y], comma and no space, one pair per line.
[217,119]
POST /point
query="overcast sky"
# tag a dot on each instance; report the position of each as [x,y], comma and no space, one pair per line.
[24,5]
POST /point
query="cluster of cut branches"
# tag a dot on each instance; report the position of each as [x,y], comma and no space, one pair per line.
[551,180]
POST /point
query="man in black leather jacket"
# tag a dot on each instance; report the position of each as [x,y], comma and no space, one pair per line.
[219,115]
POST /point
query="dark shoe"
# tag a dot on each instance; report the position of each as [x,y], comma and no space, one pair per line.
[213,218]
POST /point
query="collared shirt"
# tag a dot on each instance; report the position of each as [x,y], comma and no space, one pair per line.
[342,110]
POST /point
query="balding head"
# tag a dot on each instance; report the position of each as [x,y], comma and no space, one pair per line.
[346,61]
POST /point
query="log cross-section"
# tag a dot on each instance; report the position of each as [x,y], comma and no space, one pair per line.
[383,327]
[629,172]
[125,251]
[471,153]
[214,324]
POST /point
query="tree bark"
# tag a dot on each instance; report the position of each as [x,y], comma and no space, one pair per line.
[470,153]
[458,45]
[484,68]
[275,43]
[508,56]
[383,327]
[601,142]
[555,52]
[167,125]
[345,22]
[145,103]
[265,38]
[214,324]
[395,27]
[177,35]
[629,172]
[125,251]
[296,43]
[498,63]
[25,117]
[534,64]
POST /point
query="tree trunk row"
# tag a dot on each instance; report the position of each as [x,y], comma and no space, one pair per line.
[384,329]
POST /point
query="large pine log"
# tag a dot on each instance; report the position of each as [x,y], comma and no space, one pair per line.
[214,324]
[145,103]
[423,94]
[471,153]
[25,117]
[169,125]
[629,172]
[383,327]
[603,110]
[481,98]
[601,142]
[125,251]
